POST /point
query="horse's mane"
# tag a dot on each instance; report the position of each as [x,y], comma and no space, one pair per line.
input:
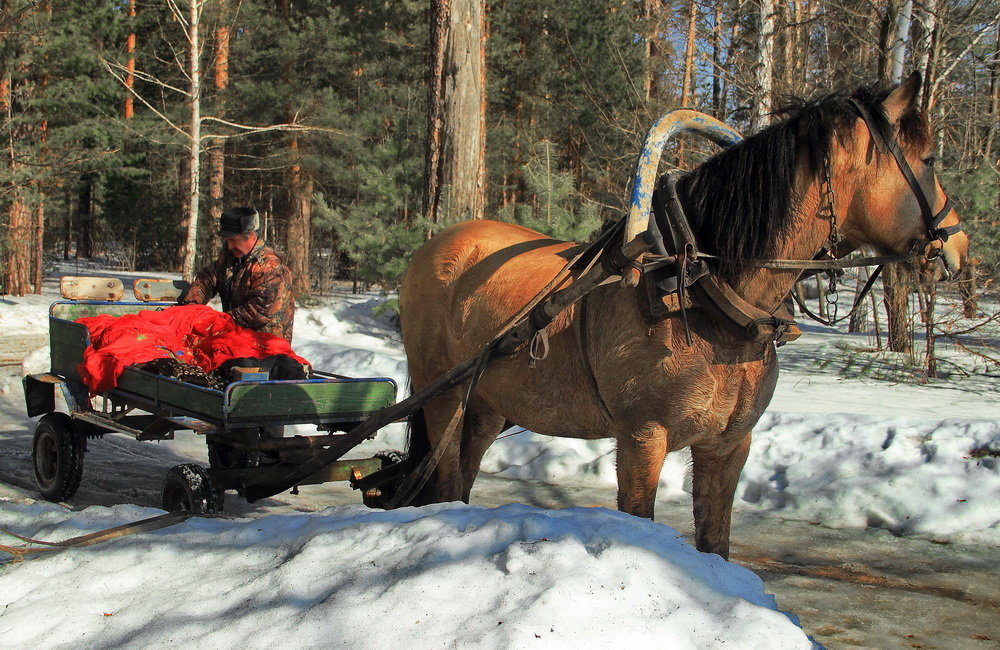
[742,201]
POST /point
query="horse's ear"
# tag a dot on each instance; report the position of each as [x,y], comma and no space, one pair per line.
[903,98]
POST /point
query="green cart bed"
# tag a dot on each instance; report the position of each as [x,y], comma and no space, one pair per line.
[238,422]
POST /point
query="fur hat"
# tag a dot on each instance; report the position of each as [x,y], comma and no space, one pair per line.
[238,221]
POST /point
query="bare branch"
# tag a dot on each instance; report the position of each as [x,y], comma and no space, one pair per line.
[145,76]
[252,130]
[955,59]
[143,100]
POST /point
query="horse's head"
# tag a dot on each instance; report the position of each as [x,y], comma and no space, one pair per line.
[896,203]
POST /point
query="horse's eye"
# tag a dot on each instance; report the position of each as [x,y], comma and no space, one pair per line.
[929,161]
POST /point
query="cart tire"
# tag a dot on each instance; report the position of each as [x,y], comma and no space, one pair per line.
[57,456]
[189,488]
[386,490]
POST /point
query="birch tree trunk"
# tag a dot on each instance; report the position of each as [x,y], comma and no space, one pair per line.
[764,70]
[926,18]
[897,51]
[194,177]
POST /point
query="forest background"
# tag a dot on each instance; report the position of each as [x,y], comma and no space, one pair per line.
[123,119]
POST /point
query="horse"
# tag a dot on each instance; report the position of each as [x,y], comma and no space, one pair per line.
[654,384]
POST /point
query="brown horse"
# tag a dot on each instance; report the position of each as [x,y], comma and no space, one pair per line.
[614,370]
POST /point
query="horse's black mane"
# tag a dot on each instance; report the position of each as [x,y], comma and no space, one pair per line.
[742,201]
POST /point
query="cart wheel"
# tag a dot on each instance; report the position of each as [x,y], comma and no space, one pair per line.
[380,497]
[57,456]
[189,488]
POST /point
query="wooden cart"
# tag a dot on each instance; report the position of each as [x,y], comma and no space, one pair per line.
[149,406]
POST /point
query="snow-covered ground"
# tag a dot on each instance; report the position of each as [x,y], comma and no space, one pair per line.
[916,460]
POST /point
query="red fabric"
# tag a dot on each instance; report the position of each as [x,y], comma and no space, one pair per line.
[195,334]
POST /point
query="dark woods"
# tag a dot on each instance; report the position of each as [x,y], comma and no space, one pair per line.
[316,114]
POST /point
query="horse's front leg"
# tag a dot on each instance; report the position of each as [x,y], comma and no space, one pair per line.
[640,457]
[715,473]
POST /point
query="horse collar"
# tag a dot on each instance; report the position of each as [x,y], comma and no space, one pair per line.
[683,266]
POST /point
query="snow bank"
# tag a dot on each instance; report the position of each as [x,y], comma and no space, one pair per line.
[844,452]
[436,577]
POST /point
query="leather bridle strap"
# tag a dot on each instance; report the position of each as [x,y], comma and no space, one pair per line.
[857,301]
[931,219]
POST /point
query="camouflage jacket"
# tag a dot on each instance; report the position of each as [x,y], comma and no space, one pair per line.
[256,290]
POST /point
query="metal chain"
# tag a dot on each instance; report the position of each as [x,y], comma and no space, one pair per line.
[828,208]
[828,211]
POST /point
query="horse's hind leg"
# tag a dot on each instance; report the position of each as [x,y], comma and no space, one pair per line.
[480,430]
[640,457]
[715,473]
[444,417]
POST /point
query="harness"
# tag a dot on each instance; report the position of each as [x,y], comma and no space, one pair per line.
[678,267]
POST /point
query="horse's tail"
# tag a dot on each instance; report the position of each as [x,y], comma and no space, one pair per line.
[418,447]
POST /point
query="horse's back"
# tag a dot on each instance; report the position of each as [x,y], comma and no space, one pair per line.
[462,285]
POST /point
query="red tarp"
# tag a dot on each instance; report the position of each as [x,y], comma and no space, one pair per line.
[194,334]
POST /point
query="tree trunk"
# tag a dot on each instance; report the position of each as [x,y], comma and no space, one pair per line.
[16,251]
[300,189]
[217,152]
[993,112]
[456,133]
[764,70]
[926,18]
[85,217]
[194,187]
[440,20]
[897,50]
[130,64]
[717,99]
[967,290]
[928,299]
[896,285]
[689,52]
[651,12]
[859,319]
[896,281]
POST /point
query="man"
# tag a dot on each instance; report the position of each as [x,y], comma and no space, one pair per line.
[254,284]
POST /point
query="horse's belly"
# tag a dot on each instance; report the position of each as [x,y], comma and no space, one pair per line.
[548,399]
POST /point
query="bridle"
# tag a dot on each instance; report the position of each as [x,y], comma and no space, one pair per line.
[688,263]
[935,233]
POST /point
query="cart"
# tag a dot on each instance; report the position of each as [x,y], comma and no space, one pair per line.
[148,406]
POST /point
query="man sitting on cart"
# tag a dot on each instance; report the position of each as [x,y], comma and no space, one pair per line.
[253,283]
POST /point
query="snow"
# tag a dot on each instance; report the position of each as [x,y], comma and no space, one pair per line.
[444,576]
[847,452]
